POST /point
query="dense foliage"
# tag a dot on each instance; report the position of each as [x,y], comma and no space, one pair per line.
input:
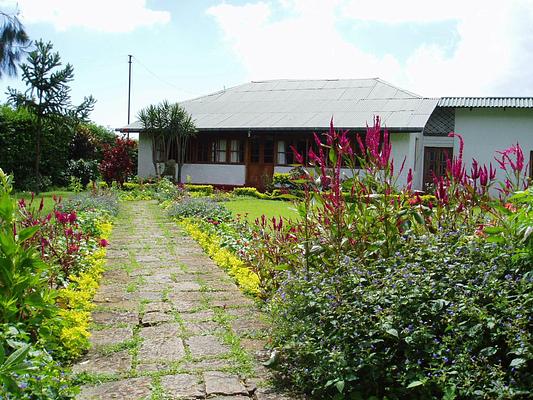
[118,162]
[383,293]
[50,268]
[199,207]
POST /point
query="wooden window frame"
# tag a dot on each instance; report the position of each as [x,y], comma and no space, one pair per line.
[208,142]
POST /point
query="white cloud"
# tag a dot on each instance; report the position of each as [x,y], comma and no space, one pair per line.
[97,15]
[492,55]
[304,46]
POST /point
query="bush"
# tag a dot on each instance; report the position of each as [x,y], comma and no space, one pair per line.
[199,207]
[104,202]
[445,315]
[206,190]
[118,161]
[17,149]
[282,179]
[246,191]
[83,170]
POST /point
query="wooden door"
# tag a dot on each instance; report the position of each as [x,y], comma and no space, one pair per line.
[435,163]
[260,161]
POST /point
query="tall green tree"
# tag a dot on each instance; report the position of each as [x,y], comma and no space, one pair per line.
[47,96]
[168,125]
[14,42]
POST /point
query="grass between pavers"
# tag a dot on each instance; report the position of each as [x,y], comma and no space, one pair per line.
[47,196]
[254,208]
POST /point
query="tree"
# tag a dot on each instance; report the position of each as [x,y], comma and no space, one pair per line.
[13,44]
[168,125]
[117,163]
[48,95]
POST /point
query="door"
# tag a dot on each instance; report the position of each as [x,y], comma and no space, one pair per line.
[260,161]
[435,163]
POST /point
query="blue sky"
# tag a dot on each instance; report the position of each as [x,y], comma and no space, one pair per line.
[187,48]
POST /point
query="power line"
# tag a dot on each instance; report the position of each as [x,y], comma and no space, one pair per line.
[159,78]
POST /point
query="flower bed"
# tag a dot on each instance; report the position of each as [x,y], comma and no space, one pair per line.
[51,266]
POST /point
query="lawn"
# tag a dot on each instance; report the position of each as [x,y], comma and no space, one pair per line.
[254,208]
[48,198]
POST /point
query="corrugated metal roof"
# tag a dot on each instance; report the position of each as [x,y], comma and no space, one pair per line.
[486,102]
[308,104]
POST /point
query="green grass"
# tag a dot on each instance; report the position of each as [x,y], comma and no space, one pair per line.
[254,208]
[48,198]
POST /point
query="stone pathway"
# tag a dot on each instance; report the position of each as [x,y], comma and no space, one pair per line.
[168,323]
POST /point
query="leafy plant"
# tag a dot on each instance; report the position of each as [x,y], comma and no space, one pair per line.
[24,293]
[84,171]
[444,313]
[117,163]
[200,207]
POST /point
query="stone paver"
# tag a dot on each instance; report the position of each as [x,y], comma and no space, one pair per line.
[171,307]
[169,349]
[225,384]
[111,336]
[116,363]
[128,389]
[156,317]
[182,385]
[202,346]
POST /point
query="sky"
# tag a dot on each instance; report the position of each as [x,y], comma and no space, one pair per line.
[188,48]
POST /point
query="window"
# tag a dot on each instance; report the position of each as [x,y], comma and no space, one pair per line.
[285,154]
[236,151]
[282,151]
[268,152]
[435,163]
[202,154]
[255,150]
[219,150]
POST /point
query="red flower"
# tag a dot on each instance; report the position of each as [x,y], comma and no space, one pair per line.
[103,243]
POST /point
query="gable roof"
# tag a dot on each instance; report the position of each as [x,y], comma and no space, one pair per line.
[486,102]
[308,104]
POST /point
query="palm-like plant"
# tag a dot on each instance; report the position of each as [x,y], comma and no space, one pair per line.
[167,124]
[13,43]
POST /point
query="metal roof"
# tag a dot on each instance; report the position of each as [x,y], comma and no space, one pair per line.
[308,104]
[486,102]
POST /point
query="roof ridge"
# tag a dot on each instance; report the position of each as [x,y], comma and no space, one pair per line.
[312,79]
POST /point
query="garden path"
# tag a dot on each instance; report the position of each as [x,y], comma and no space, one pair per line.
[168,323]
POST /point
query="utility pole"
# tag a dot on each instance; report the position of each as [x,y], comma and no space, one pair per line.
[129,90]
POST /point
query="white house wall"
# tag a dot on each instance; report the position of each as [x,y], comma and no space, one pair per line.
[216,174]
[145,167]
[487,130]
[403,148]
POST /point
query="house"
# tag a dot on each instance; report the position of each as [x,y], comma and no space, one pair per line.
[245,132]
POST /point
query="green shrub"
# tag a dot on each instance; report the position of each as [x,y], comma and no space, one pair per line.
[166,190]
[446,315]
[199,207]
[35,375]
[206,190]
[106,202]
[129,186]
[282,179]
[246,191]
[84,170]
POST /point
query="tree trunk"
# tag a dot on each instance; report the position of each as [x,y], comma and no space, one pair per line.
[154,154]
[38,135]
